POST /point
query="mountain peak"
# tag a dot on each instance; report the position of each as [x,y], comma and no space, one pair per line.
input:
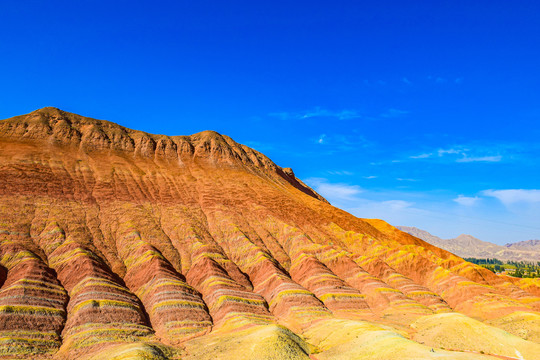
[48,110]
[467,237]
[53,126]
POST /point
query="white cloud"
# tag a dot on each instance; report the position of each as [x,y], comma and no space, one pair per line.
[421,156]
[443,152]
[344,114]
[512,196]
[370,177]
[406,81]
[443,80]
[355,199]
[430,211]
[405,179]
[339,142]
[467,201]
[395,205]
[339,172]
[463,154]
[466,158]
[335,191]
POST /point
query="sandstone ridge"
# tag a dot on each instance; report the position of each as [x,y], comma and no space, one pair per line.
[63,128]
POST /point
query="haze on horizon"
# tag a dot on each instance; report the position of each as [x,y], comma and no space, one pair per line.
[421,114]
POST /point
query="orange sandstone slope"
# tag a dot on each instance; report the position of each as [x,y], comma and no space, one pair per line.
[118,244]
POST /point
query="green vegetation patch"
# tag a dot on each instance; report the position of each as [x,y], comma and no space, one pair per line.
[520,269]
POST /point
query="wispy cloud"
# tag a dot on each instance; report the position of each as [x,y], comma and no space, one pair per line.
[340,142]
[466,159]
[318,112]
[394,113]
[513,196]
[464,154]
[466,200]
[421,156]
[356,199]
[444,80]
[397,205]
[340,172]
[370,177]
[430,211]
[335,191]
[405,179]
[442,152]
[406,81]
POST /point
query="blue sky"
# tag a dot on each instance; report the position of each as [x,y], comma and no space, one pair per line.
[421,113]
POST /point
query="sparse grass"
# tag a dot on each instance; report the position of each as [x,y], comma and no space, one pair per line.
[286,293]
[31,310]
[172,304]
[103,304]
[340,296]
[225,298]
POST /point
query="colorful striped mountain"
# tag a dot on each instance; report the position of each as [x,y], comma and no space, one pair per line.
[118,244]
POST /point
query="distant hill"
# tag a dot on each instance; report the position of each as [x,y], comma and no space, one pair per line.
[528,245]
[469,246]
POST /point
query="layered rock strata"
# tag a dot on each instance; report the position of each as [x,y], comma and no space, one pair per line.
[116,244]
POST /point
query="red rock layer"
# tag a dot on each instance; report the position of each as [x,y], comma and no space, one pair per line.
[288,300]
[101,309]
[32,304]
[230,303]
[175,309]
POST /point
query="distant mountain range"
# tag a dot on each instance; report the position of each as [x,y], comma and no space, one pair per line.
[469,246]
[528,245]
